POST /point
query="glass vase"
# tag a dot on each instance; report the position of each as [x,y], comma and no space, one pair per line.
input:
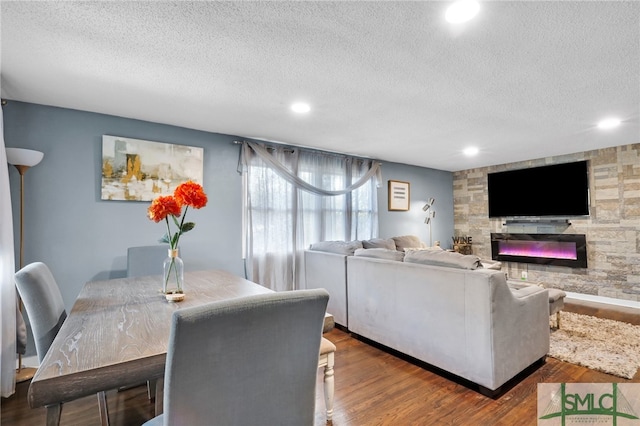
[173,277]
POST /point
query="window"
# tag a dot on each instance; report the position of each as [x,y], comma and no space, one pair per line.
[283,218]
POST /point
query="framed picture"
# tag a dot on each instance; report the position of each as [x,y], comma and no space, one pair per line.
[398,195]
[139,170]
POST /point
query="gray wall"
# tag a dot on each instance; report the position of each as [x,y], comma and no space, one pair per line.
[424,183]
[83,238]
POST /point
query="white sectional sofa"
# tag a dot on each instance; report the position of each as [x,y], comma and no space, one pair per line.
[465,321]
[329,271]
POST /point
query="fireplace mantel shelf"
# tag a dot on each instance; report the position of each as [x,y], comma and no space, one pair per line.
[563,222]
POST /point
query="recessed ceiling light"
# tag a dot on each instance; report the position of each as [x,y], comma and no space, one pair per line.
[462,11]
[300,107]
[609,123]
[470,151]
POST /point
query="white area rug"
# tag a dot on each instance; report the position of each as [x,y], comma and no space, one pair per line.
[605,345]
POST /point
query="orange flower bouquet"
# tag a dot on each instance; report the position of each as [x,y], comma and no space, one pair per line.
[187,194]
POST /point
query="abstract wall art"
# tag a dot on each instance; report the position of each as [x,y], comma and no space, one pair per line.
[140,170]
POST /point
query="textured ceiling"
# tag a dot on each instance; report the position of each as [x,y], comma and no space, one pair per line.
[389,80]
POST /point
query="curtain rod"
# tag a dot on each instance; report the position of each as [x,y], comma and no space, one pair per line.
[272,144]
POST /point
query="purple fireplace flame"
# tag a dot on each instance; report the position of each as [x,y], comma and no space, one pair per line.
[546,249]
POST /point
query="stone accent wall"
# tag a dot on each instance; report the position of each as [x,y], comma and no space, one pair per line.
[612,230]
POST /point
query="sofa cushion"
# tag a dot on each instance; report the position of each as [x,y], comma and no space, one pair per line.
[338,247]
[385,243]
[426,248]
[381,253]
[443,258]
[407,241]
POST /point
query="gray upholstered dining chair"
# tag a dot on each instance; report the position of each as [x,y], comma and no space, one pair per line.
[245,361]
[45,308]
[146,260]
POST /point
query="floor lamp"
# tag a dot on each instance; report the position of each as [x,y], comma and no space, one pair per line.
[431,214]
[23,159]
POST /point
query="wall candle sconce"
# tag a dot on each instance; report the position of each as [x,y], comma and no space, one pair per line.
[23,159]
[431,214]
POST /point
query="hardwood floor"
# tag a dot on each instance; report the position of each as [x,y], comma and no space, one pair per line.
[373,387]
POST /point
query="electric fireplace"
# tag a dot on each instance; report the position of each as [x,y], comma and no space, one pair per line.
[544,249]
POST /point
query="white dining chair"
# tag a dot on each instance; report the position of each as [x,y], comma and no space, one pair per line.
[326,362]
[45,308]
[244,361]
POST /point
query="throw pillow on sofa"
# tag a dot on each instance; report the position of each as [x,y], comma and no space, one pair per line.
[380,253]
[407,242]
[338,247]
[384,243]
[443,258]
[491,264]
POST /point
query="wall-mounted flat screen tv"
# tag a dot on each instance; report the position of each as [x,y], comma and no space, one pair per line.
[555,190]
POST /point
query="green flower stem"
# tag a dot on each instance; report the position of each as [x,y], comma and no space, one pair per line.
[174,245]
[166,279]
[184,215]
[175,271]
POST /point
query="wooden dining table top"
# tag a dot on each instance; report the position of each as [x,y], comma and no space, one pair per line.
[117,334]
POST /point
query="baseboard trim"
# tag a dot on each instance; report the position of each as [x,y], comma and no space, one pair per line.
[602,299]
[29,361]
[602,307]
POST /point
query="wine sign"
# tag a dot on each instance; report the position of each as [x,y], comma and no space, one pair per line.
[462,244]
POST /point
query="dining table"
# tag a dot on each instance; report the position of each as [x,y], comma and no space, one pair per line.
[116,335]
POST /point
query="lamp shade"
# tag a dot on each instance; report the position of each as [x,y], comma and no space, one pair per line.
[429,204]
[23,157]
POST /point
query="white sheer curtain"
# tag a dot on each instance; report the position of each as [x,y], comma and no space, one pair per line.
[7,286]
[297,197]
